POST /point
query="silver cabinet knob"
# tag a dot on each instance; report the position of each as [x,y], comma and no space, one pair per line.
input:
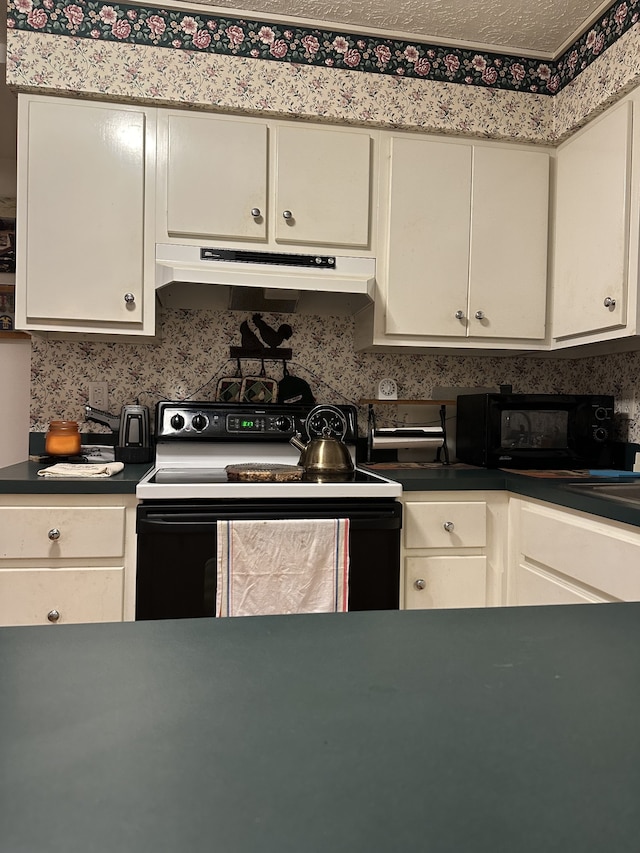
[53,615]
[459,315]
[449,526]
[609,302]
[479,315]
[255,212]
[287,214]
[129,298]
[54,534]
[420,583]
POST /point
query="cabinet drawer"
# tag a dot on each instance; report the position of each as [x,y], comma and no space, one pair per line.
[428,525]
[61,532]
[440,582]
[606,559]
[28,596]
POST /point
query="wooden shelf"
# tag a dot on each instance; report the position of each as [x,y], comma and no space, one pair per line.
[14,334]
[408,402]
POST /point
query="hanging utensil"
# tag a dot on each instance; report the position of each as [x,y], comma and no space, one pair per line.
[229,388]
[292,390]
[259,389]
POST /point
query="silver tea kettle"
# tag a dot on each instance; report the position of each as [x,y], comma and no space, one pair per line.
[325,454]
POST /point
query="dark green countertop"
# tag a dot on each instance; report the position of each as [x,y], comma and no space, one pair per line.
[486,731]
[22,479]
[551,490]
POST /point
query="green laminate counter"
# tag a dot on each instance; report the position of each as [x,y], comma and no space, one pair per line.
[22,478]
[499,730]
[443,478]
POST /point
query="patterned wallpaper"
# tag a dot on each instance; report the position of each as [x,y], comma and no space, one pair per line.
[113,52]
[194,354]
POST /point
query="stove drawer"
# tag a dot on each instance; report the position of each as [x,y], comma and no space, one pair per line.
[61,532]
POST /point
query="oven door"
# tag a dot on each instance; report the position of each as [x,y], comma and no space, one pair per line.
[176,564]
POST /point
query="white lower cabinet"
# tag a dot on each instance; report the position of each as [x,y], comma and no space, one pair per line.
[452,554]
[562,556]
[66,558]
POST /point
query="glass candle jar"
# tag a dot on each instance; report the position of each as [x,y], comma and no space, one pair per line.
[62,439]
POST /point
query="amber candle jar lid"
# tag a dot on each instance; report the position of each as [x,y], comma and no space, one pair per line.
[62,439]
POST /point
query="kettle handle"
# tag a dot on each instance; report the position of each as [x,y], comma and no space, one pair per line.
[297,442]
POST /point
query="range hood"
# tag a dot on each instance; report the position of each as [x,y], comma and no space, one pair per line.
[248,280]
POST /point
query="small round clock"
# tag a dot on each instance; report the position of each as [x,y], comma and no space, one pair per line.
[387,389]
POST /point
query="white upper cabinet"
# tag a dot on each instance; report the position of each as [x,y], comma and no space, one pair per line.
[464,255]
[85,213]
[509,235]
[216,177]
[592,216]
[240,180]
[428,237]
[322,179]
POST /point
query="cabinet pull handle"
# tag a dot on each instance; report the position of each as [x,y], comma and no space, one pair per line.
[54,534]
[287,214]
[609,302]
[449,526]
[53,615]
[420,583]
[479,315]
[129,298]
[459,315]
[255,212]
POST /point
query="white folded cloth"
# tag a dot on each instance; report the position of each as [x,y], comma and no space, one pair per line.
[67,469]
[282,566]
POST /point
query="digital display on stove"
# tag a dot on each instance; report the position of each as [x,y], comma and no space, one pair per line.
[247,424]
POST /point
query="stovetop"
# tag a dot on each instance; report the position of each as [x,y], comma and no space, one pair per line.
[195,441]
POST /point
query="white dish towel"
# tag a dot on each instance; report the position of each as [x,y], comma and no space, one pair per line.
[283,566]
[68,469]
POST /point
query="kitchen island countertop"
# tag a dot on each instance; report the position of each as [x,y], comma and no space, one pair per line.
[512,729]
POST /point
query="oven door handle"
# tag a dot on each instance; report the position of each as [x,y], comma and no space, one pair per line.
[383,521]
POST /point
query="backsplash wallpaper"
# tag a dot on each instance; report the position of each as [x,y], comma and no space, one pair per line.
[194,353]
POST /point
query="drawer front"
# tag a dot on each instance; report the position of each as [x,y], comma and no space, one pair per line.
[61,532]
[441,582]
[58,596]
[445,525]
[584,550]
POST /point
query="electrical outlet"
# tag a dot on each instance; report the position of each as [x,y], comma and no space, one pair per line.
[99,395]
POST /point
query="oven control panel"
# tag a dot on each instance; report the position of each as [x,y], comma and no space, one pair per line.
[223,422]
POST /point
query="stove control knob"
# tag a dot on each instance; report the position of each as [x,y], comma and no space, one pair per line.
[283,423]
[600,434]
[199,422]
[177,421]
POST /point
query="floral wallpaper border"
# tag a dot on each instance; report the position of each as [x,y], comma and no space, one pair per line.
[194,31]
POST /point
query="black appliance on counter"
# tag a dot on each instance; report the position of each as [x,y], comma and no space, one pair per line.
[187,491]
[543,431]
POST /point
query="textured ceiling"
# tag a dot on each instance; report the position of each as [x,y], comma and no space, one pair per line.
[531,27]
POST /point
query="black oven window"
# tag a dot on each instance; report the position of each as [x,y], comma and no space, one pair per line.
[534,429]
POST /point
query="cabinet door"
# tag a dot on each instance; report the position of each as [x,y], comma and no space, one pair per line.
[534,587]
[216,178]
[84,206]
[440,582]
[323,179]
[428,237]
[592,227]
[58,596]
[509,236]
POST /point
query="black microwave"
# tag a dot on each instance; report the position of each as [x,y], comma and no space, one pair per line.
[535,430]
